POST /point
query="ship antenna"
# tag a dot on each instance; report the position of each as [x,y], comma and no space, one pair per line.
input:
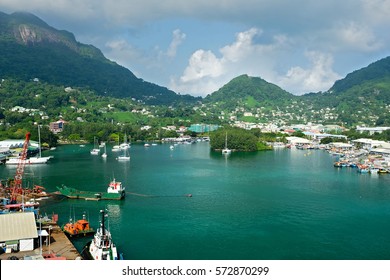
[102,224]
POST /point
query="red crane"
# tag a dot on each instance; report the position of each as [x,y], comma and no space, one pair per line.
[17,184]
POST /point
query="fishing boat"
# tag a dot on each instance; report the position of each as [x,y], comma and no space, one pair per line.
[226,151]
[78,228]
[101,247]
[115,191]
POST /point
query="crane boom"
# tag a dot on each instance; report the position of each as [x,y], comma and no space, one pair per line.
[17,184]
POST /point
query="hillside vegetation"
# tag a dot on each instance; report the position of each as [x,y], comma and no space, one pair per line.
[30,48]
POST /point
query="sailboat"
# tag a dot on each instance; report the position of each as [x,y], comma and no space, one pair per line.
[125,156]
[32,160]
[104,155]
[95,150]
[116,148]
[226,150]
[124,145]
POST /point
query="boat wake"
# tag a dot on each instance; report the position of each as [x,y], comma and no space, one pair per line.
[149,195]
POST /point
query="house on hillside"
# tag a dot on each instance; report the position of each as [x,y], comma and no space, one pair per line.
[57,126]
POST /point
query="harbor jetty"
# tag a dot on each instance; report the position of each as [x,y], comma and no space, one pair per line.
[55,246]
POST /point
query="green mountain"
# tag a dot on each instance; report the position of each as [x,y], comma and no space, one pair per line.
[363,96]
[249,92]
[375,73]
[30,48]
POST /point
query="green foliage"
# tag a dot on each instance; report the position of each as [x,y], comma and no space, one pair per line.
[298,134]
[248,92]
[57,58]
[237,140]
[262,146]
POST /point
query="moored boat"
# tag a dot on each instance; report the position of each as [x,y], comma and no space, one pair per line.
[125,156]
[101,247]
[115,191]
[226,150]
[79,228]
[31,160]
[96,149]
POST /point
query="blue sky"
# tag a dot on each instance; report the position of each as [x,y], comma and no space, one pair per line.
[195,47]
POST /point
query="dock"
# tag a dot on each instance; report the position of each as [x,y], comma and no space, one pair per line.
[59,245]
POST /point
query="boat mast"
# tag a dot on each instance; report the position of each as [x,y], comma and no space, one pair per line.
[39,141]
[102,225]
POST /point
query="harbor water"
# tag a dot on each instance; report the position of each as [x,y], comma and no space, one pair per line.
[190,203]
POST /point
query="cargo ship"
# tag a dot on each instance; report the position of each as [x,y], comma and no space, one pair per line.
[115,191]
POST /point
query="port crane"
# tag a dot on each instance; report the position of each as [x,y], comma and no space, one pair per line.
[17,187]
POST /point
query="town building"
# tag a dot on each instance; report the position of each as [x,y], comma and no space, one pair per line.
[18,231]
[371,130]
[57,126]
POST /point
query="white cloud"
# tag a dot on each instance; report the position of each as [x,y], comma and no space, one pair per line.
[206,72]
[355,36]
[376,11]
[178,38]
[242,47]
[202,64]
[283,30]
[317,77]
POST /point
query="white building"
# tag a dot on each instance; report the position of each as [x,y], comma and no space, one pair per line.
[368,144]
[17,231]
[297,140]
[371,130]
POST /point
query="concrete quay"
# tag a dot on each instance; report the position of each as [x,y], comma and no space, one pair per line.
[59,245]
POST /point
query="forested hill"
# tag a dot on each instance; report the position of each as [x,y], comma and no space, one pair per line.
[376,72]
[30,48]
[249,92]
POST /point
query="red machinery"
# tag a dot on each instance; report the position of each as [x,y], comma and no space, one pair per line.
[17,187]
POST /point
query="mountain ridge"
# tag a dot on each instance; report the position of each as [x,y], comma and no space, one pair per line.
[30,48]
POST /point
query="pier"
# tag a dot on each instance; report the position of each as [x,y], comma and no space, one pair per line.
[57,246]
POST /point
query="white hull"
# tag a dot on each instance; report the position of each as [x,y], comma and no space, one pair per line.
[102,247]
[33,160]
[95,152]
[123,158]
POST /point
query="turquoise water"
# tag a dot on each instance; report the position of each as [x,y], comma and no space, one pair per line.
[283,204]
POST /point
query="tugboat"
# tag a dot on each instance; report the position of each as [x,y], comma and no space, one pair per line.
[101,246]
[79,228]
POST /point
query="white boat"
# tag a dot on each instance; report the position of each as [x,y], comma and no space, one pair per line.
[125,156]
[116,187]
[95,150]
[226,150]
[102,246]
[116,148]
[32,160]
[146,145]
[124,145]
[104,155]
[102,144]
